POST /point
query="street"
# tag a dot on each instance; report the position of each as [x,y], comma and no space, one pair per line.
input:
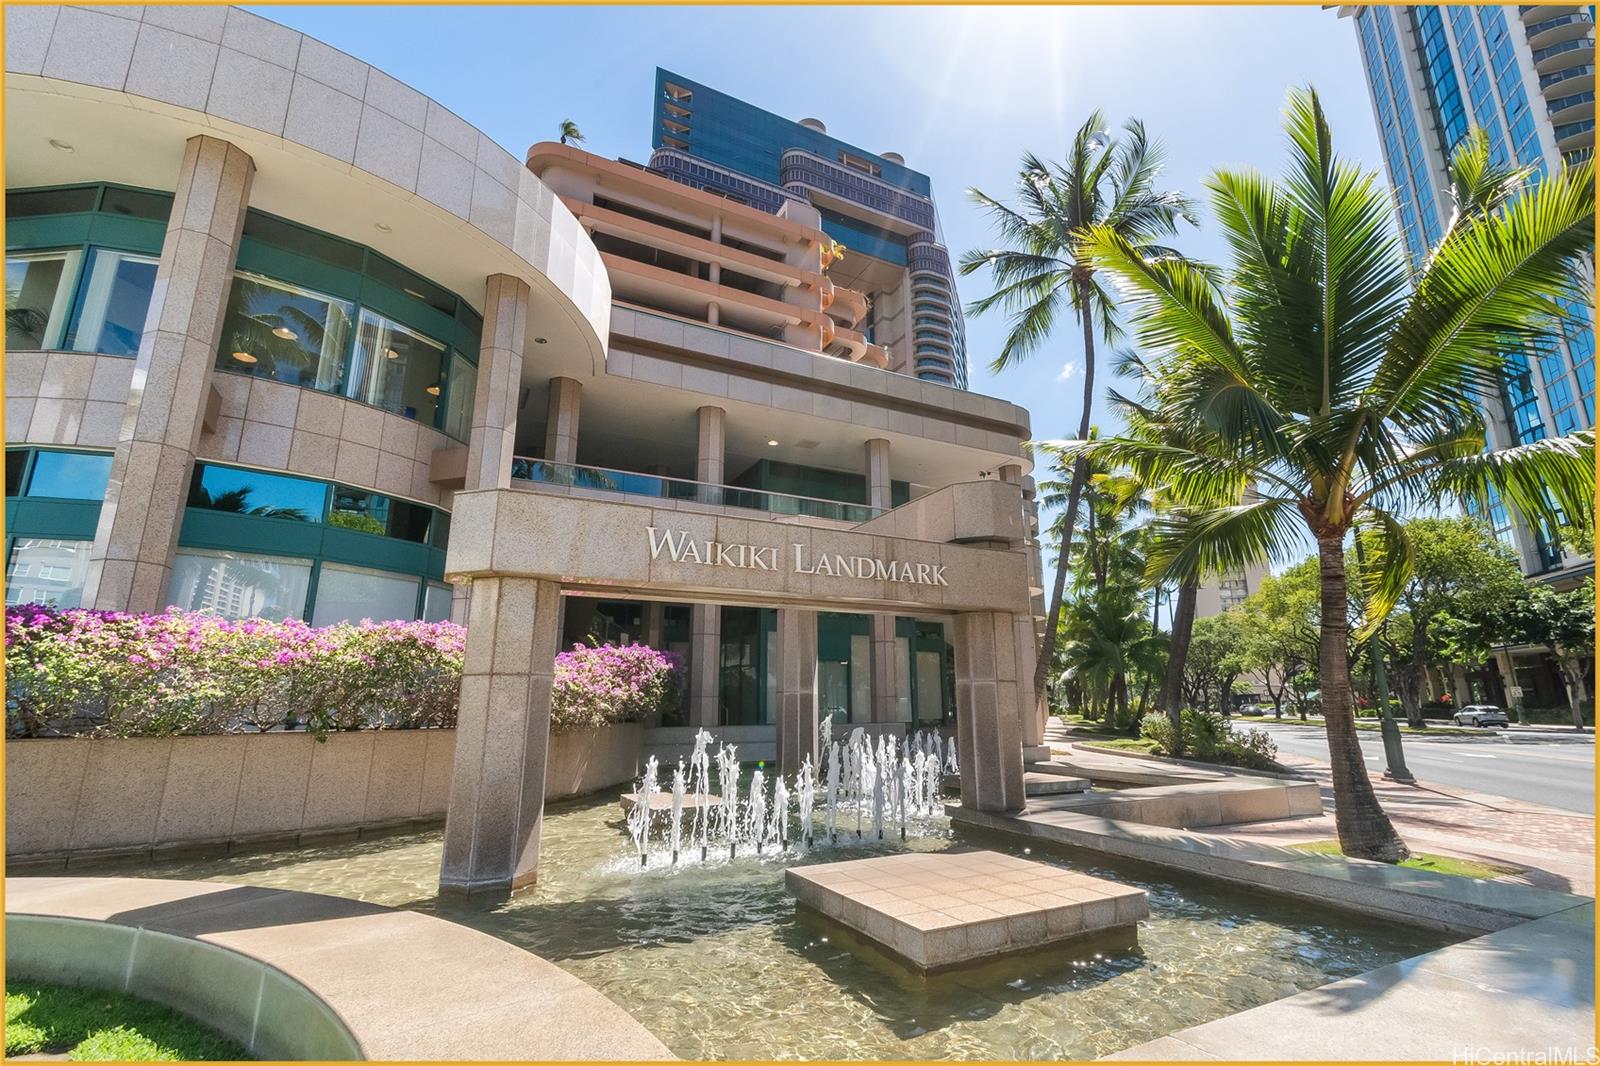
[1554,773]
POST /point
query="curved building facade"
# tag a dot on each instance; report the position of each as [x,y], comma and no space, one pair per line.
[286,338]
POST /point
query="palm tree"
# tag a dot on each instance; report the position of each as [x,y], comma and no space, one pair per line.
[570,134]
[1044,273]
[1342,386]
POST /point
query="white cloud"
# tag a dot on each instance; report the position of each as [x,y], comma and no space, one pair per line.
[1068,369]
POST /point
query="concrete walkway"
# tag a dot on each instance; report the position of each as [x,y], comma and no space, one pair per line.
[402,985]
[1528,990]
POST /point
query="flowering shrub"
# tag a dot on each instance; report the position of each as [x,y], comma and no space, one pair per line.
[596,686]
[112,674]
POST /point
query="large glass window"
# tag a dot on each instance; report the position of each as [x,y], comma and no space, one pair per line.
[369,512]
[349,594]
[285,333]
[38,296]
[463,387]
[69,475]
[436,602]
[116,297]
[236,585]
[396,368]
[47,571]
[251,492]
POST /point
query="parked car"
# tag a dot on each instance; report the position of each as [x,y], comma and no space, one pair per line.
[1480,714]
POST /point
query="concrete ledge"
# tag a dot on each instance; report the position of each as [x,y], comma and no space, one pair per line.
[1521,991]
[304,976]
[1418,897]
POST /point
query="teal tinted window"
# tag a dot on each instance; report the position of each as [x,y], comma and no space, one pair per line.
[16,466]
[137,203]
[251,492]
[68,475]
[286,333]
[38,294]
[31,203]
[370,512]
[110,315]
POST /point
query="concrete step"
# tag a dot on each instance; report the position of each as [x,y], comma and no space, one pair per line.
[1052,784]
[1050,767]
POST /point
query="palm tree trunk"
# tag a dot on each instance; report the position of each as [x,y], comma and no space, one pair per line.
[1080,476]
[1177,652]
[1364,830]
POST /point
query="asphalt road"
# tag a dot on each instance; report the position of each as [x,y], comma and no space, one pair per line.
[1554,773]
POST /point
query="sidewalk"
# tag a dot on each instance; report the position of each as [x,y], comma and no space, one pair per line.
[1556,847]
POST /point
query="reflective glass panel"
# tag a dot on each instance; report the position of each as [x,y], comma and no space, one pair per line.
[47,571]
[116,296]
[463,386]
[286,333]
[349,594]
[395,368]
[235,585]
[436,602]
[70,475]
[251,492]
[369,512]
[38,293]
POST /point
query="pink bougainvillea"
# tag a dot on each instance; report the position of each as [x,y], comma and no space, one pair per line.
[108,673]
[598,685]
[184,672]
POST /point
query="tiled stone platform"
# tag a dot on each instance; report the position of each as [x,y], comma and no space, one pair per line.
[1052,784]
[661,803]
[940,910]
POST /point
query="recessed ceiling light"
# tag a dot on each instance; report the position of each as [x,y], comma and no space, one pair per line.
[61,146]
[286,333]
[383,227]
[432,390]
[772,444]
[540,340]
[244,357]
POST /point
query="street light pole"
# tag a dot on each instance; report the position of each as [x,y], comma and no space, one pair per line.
[1394,756]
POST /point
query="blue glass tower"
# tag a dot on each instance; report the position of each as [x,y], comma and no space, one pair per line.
[1525,75]
[881,210]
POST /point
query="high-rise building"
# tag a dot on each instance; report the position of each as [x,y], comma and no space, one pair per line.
[1525,75]
[881,210]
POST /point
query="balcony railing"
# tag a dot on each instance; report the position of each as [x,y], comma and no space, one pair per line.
[654,486]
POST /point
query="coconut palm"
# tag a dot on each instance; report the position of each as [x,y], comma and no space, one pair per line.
[1339,385]
[1043,275]
[570,134]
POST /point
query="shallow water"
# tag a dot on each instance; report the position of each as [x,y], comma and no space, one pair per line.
[715,960]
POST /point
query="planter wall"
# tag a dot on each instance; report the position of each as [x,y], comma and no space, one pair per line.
[75,795]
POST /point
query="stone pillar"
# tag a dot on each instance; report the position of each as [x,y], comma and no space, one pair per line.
[705,621]
[986,712]
[494,405]
[891,693]
[561,425]
[654,634]
[491,832]
[130,562]
[797,688]
[705,653]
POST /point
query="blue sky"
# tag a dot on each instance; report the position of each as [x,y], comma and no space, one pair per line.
[961,92]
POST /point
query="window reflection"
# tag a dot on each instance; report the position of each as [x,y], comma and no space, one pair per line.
[236,585]
[70,475]
[116,297]
[250,492]
[47,571]
[463,387]
[370,512]
[37,298]
[396,368]
[285,333]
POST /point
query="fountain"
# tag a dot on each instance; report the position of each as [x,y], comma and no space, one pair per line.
[640,817]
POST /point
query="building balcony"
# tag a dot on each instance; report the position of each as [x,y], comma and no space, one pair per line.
[1563,55]
[569,479]
[848,306]
[1568,26]
[1579,77]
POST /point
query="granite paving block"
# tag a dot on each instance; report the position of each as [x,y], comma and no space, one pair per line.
[967,905]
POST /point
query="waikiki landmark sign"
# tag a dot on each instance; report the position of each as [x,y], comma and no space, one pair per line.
[680,547]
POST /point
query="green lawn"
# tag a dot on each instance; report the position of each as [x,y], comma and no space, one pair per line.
[93,1025]
[1443,864]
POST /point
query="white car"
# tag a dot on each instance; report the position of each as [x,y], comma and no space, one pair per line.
[1480,714]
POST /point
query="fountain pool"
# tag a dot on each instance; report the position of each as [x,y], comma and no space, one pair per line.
[716,961]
